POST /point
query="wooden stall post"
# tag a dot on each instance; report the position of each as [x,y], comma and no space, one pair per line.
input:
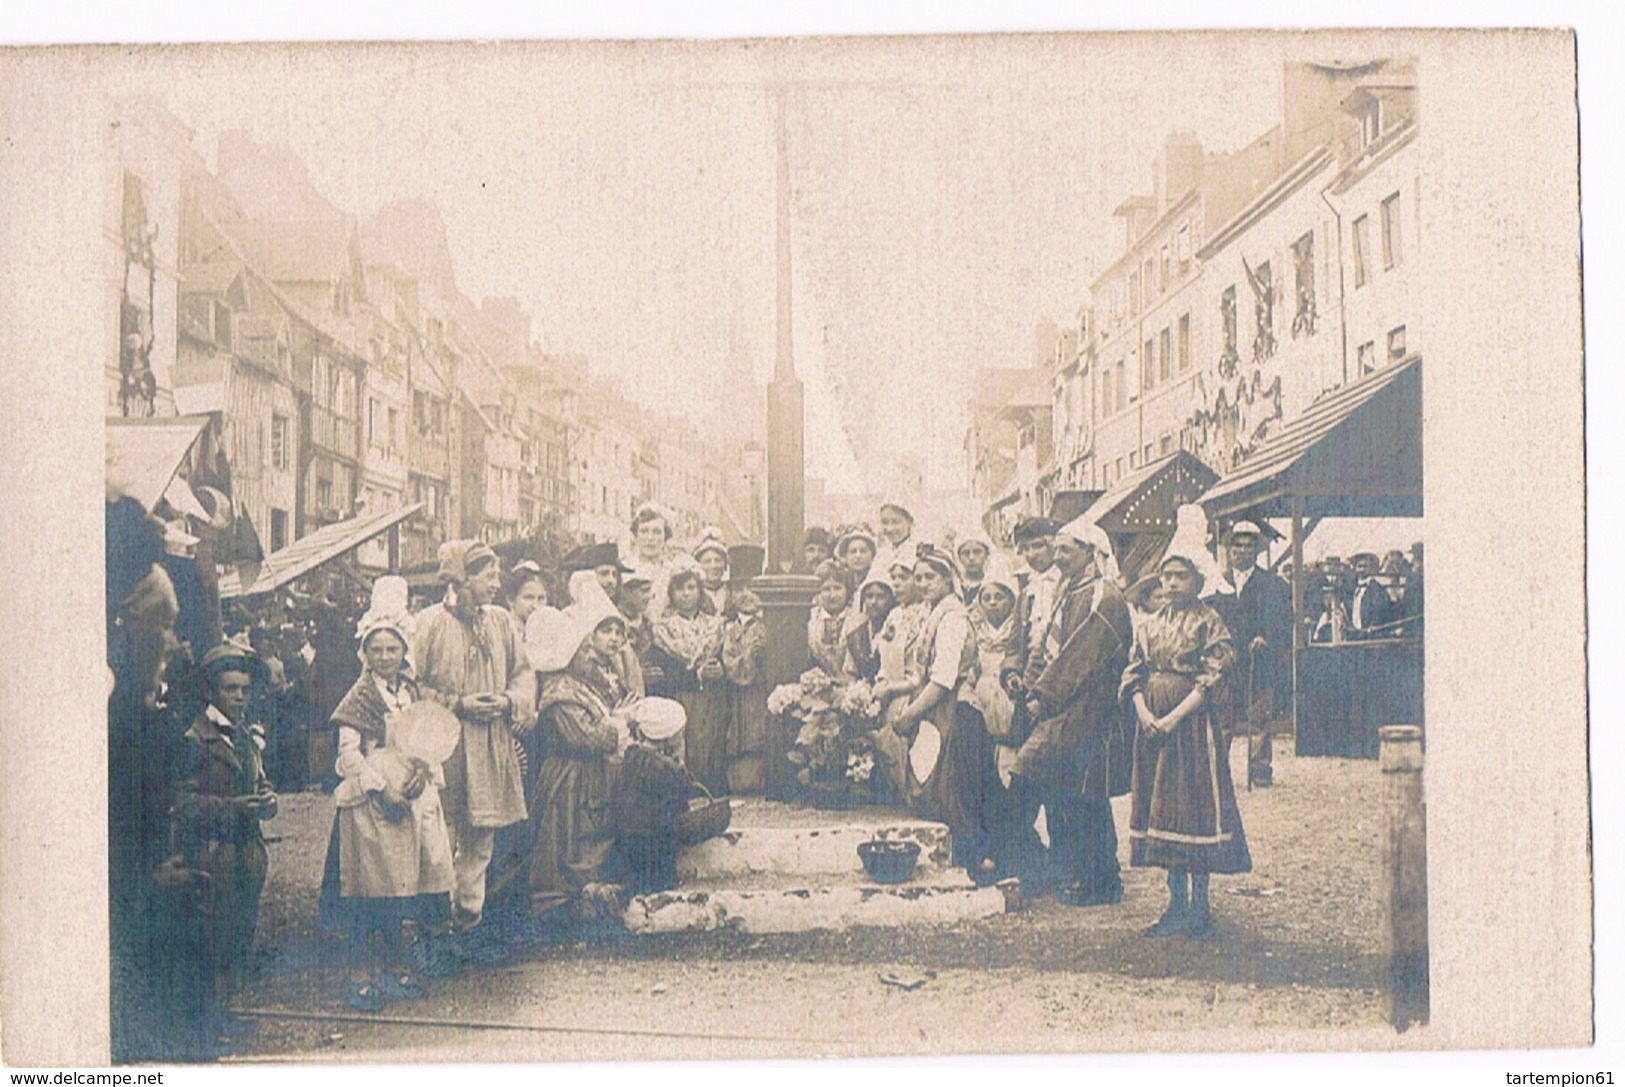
[1299,638]
[1404,876]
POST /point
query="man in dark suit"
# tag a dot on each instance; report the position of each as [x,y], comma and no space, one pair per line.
[1373,613]
[1257,607]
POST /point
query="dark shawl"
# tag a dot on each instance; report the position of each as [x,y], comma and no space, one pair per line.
[364,709]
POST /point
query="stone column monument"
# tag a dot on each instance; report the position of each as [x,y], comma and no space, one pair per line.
[786,595]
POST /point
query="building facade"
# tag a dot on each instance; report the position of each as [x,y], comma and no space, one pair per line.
[1249,286]
[385,412]
[612,476]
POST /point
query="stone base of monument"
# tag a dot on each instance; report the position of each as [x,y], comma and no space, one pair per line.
[784,868]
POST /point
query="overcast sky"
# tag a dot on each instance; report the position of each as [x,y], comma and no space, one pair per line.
[950,194]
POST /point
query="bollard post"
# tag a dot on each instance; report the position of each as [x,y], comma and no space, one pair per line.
[1404,876]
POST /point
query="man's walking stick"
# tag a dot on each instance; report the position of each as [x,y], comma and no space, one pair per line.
[1247,711]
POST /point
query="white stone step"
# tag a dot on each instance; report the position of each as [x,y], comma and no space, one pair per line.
[745,852]
[790,905]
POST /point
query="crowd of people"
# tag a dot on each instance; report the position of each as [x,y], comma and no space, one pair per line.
[1005,687]
[1366,598]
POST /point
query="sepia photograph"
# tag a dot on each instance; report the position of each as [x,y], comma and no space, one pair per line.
[795,548]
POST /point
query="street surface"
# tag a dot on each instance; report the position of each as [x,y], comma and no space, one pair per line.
[1295,963]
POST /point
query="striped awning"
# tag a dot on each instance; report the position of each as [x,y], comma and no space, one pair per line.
[307,553]
[1356,452]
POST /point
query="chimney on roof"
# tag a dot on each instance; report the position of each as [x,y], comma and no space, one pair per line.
[1181,166]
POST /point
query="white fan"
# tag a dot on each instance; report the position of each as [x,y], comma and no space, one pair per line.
[425,730]
[922,756]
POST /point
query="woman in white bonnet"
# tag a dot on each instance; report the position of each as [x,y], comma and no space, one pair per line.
[1183,815]
[574,838]
[389,861]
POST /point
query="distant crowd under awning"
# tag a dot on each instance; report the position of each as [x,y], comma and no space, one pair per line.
[1355,453]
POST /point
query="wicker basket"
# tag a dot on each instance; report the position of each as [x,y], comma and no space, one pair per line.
[706,817]
[889,861]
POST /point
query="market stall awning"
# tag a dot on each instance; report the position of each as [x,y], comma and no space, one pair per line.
[1354,453]
[143,455]
[1138,512]
[1067,505]
[322,546]
[1146,500]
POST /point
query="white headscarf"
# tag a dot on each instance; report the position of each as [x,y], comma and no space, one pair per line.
[999,573]
[1092,535]
[710,539]
[553,637]
[877,577]
[974,537]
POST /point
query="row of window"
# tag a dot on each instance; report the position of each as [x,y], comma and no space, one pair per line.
[335,494]
[603,499]
[383,426]
[539,456]
[333,387]
[1162,358]
[428,493]
[1113,471]
[1388,218]
[1156,275]
[1168,354]
[428,414]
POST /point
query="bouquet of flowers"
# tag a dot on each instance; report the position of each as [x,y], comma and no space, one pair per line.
[819,751]
[857,700]
[860,761]
[833,744]
[815,692]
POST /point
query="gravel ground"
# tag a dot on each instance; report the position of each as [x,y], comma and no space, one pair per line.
[1295,963]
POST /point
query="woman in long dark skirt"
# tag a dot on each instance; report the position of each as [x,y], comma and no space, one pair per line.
[1183,815]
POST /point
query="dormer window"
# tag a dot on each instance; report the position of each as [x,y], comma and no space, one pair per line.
[1371,122]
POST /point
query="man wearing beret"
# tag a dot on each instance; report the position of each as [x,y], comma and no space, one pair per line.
[1035,541]
[470,660]
[603,559]
[817,547]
